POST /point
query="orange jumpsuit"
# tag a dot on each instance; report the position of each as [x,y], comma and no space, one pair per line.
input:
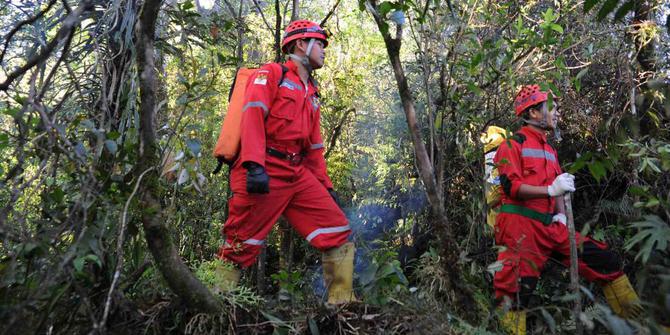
[281,132]
[529,159]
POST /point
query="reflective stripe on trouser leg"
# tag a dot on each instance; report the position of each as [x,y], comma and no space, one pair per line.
[315,215]
[250,219]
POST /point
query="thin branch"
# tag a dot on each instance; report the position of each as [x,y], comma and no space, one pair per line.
[69,24]
[337,132]
[230,8]
[18,27]
[332,10]
[64,53]
[119,252]
[260,11]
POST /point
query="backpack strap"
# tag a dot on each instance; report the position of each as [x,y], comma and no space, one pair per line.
[276,67]
[519,138]
[284,69]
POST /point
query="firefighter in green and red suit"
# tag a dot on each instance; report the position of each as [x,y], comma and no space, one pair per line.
[281,170]
[532,222]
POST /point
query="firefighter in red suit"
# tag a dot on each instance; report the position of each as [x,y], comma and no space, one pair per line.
[532,222]
[281,169]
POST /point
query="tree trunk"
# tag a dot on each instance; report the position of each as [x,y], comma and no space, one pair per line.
[176,273]
[442,227]
[278,20]
[295,14]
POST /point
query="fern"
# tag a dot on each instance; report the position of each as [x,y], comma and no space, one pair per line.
[653,234]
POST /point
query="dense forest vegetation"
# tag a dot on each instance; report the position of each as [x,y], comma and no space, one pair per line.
[110,216]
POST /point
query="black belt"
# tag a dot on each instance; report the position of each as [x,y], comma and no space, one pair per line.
[293,158]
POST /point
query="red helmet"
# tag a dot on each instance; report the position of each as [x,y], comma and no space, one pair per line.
[300,29]
[530,95]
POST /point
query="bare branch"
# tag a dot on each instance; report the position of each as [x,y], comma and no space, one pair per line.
[178,276]
[332,10]
[18,27]
[119,252]
[260,11]
[69,24]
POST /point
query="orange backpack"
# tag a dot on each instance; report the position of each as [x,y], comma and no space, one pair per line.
[227,146]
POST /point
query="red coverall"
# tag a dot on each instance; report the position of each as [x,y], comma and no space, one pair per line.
[530,243]
[284,117]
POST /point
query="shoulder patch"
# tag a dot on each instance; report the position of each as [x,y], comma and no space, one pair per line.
[261,78]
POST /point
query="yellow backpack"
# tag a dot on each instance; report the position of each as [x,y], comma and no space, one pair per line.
[492,139]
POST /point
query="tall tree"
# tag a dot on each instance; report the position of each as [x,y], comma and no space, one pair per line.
[423,161]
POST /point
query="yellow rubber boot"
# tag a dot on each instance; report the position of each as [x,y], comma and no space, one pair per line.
[622,298]
[226,277]
[338,271]
[514,322]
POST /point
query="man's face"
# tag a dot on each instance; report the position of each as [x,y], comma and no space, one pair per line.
[553,113]
[318,54]
[549,109]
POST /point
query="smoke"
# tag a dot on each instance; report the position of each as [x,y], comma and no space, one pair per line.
[372,222]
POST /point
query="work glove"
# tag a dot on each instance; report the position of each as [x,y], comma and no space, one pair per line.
[560,218]
[333,194]
[562,184]
[258,180]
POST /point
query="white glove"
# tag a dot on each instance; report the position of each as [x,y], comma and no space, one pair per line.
[562,184]
[561,218]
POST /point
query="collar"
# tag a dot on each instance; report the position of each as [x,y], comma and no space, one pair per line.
[530,132]
[293,67]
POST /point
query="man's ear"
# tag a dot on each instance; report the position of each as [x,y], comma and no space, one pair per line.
[300,45]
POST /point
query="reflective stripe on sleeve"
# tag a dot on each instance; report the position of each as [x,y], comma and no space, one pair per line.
[290,85]
[252,241]
[256,104]
[316,146]
[331,230]
[538,153]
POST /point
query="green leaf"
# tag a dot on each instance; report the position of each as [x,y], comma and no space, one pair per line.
[607,8]
[187,5]
[582,73]
[368,275]
[113,135]
[623,10]
[589,4]
[275,321]
[549,320]
[57,195]
[597,170]
[557,28]
[313,328]
[385,7]
[81,261]
[4,140]
[111,146]
[638,191]
[194,146]
[653,234]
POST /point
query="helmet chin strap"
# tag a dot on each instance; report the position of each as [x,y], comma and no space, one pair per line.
[544,124]
[305,60]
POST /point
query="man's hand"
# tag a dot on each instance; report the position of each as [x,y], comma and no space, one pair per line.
[562,184]
[258,180]
[560,218]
